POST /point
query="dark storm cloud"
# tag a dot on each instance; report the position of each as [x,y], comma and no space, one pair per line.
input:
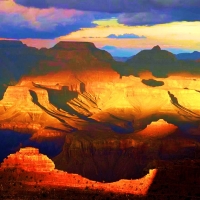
[46,24]
[132,12]
[10,31]
[111,6]
[158,17]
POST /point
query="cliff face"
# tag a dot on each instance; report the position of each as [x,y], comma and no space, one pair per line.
[103,155]
[67,105]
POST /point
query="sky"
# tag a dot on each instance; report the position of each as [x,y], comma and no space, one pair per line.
[122,27]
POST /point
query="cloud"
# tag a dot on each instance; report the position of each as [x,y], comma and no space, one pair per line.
[159,17]
[143,12]
[111,6]
[21,22]
[125,36]
[9,31]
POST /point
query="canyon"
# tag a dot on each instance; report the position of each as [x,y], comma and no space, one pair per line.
[75,104]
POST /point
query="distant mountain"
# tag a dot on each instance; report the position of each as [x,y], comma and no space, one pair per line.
[121,59]
[188,56]
[155,55]
[160,62]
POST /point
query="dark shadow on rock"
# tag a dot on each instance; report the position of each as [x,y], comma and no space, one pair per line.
[82,87]
[176,180]
[153,83]
[2,90]
[125,128]
[187,113]
[59,99]
[57,116]
[10,142]
[51,148]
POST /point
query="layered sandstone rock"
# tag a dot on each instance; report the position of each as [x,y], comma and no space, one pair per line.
[158,129]
[29,159]
[91,88]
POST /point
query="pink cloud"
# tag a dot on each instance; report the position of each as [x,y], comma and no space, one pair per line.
[40,43]
[37,43]
[40,19]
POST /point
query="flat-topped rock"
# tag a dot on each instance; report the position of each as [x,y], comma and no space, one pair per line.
[11,44]
[74,45]
[29,159]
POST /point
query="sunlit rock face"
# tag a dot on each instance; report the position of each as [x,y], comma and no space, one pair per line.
[29,159]
[121,101]
[32,170]
[160,179]
[158,129]
[76,80]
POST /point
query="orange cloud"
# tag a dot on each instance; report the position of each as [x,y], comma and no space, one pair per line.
[183,35]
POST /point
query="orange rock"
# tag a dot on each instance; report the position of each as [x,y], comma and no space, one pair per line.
[29,159]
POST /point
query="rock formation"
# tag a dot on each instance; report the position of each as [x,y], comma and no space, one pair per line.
[29,159]
[163,179]
[161,63]
[31,168]
[89,120]
[155,55]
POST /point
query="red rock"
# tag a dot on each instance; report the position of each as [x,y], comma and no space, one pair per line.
[29,159]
